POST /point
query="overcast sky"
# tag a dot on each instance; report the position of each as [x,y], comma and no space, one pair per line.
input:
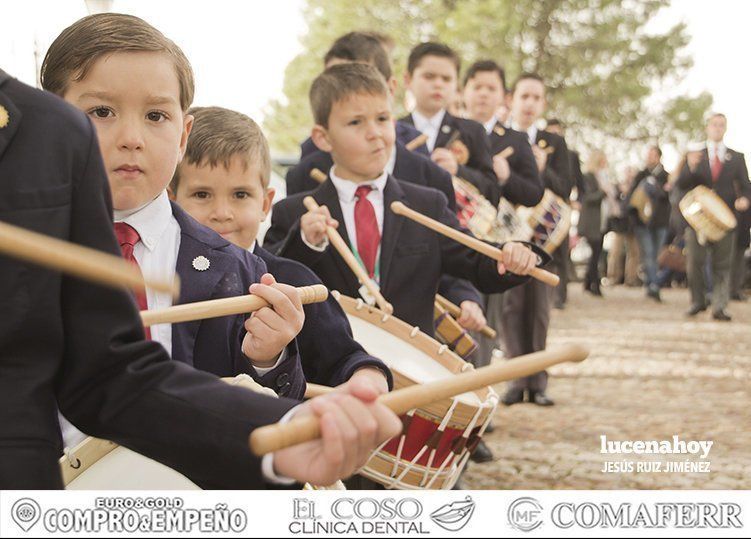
[239,49]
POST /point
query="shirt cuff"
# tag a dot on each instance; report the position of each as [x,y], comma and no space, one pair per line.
[265,370]
[267,462]
[320,248]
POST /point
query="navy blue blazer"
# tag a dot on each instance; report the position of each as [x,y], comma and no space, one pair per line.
[479,168]
[408,167]
[78,346]
[405,133]
[329,353]
[524,186]
[413,257]
[214,344]
[558,174]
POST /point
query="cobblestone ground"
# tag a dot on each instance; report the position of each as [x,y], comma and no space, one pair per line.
[652,374]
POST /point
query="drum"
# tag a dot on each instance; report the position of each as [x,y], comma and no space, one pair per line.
[438,439]
[96,464]
[707,214]
[510,226]
[550,221]
[450,332]
[474,211]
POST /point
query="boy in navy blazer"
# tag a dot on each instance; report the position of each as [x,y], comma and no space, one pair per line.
[352,111]
[223,182]
[143,130]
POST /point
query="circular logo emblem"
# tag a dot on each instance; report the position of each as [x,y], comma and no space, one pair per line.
[201,263]
[525,514]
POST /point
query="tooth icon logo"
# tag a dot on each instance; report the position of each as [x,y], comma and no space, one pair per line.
[454,516]
[25,513]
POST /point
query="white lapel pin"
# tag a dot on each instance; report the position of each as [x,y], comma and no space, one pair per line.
[446,129]
[201,263]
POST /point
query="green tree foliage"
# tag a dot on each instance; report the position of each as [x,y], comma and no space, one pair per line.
[607,72]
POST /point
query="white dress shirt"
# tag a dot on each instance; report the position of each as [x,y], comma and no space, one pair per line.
[346,189]
[490,125]
[531,132]
[156,254]
[716,148]
[429,126]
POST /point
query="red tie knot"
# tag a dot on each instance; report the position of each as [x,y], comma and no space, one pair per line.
[362,192]
[126,234]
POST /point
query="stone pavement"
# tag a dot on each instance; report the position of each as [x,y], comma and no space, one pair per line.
[652,374]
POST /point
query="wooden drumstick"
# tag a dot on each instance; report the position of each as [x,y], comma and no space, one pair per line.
[341,246]
[316,390]
[416,142]
[473,243]
[318,175]
[274,437]
[83,262]
[213,308]
[507,152]
[456,312]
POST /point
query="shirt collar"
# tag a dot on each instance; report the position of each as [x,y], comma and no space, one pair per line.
[346,189]
[434,122]
[715,146]
[531,132]
[490,125]
[150,221]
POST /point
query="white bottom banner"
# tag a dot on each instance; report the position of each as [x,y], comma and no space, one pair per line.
[488,513]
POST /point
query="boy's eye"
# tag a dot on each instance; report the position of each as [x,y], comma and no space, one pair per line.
[384,118]
[156,116]
[354,122]
[101,112]
[203,195]
[242,195]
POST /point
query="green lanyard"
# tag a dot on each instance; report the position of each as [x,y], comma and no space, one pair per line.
[376,270]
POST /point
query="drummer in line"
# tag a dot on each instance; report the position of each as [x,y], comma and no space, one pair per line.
[724,171]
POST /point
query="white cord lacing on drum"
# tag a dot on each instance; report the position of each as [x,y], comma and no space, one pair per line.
[442,349]
[414,332]
[399,449]
[385,318]
[441,429]
[72,459]
[447,484]
[360,304]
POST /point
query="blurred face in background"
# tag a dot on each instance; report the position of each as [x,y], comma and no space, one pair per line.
[716,128]
[528,102]
[484,95]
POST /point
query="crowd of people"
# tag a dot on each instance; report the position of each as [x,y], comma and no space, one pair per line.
[182,190]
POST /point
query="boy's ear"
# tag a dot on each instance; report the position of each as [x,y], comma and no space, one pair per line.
[268,201]
[392,84]
[320,138]
[187,127]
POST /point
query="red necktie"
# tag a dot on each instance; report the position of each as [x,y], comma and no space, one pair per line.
[366,226]
[127,236]
[716,166]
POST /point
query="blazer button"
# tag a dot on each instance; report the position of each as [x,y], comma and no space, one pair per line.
[282,379]
[284,390]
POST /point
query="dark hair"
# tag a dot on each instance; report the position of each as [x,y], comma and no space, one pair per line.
[338,83]
[715,115]
[656,148]
[218,135]
[554,122]
[74,51]
[431,49]
[526,76]
[485,65]
[361,47]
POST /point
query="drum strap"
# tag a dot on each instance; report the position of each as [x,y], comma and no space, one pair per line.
[377,269]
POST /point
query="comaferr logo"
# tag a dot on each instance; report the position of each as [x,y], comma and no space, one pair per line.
[659,515]
[454,516]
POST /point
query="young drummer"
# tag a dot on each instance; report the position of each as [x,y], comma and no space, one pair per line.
[458,145]
[136,86]
[223,182]
[352,110]
[404,164]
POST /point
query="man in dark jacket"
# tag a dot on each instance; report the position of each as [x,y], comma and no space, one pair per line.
[649,211]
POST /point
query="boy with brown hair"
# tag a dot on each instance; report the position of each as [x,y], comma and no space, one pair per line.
[136,86]
[223,183]
[352,110]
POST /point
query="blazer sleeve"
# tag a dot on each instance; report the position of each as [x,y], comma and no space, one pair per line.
[458,290]
[479,169]
[524,186]
[116,385]
[557,173]
[741,180]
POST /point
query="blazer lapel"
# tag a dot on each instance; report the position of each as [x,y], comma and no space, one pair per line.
[194,283]
[10,116]
[445,131]
[326,195]
[392,224]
